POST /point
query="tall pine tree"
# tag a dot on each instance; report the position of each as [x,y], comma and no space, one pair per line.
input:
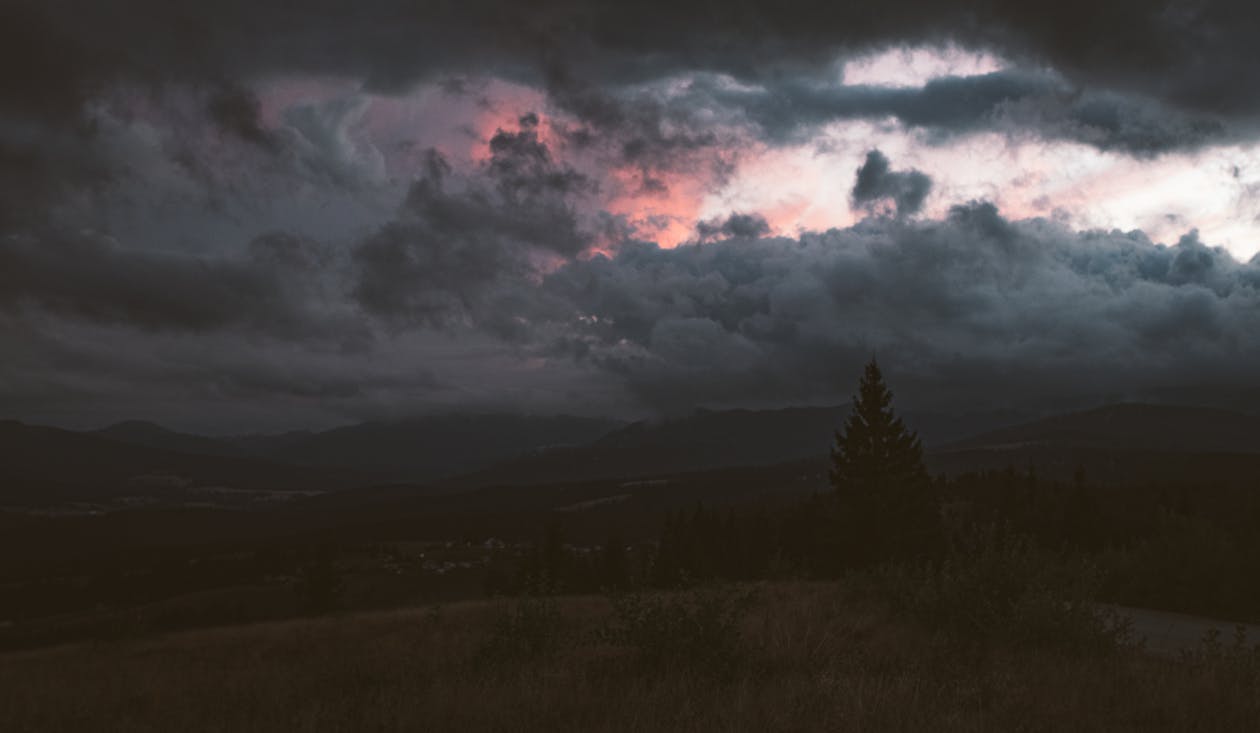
[887,506]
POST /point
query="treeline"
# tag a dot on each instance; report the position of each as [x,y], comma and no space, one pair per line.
[553,566]
[1191,549]
[1187,548]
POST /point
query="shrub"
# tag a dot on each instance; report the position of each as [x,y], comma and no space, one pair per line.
[1236,657]
[698,627]
[529,628]
[999,586]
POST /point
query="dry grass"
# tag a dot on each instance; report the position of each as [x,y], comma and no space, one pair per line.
[810,658]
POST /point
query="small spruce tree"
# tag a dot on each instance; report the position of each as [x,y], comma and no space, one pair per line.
[877,471]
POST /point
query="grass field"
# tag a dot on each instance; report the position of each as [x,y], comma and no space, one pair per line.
[782,657]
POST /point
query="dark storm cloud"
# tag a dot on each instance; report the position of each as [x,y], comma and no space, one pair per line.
[735,226]
[638,127]
[452,245]
[93,278]
[236,110]
[974,308]
[1030,104]
[522,167]
[967,309]
[88,374]
[1129,75]
[876,181]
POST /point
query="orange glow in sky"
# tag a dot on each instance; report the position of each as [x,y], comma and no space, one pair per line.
[806,185]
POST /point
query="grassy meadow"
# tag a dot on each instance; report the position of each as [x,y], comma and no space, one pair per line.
[788,656]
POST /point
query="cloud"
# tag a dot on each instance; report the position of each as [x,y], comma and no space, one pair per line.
[318,137]
[1029,104]
[1114,76]
[452,246]
[876,182]
[747,226]
[970,310]
[618,77]
[68,49]
[523,168]
[159,191]
[237,110]
[86,276]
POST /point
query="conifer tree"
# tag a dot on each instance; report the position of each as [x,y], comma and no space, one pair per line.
[875,451]
[878,474]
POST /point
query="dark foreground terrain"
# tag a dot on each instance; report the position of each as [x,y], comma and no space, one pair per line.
[783,656]
[865,592]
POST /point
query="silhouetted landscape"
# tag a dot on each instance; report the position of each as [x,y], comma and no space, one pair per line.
[629,366]
[1043,547]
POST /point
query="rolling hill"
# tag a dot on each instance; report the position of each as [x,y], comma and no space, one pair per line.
[152,435]
[707,440]
[1122,443]
[414,450]
[1117,443]
[1130,426]
[44,464]
[426,448]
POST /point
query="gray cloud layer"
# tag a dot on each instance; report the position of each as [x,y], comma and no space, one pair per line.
[972,311]
[491,278]
[1128,75]
[92,277]
[1033,104]
[1177,51]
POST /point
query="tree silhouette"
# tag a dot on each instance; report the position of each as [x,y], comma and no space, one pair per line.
[877,471]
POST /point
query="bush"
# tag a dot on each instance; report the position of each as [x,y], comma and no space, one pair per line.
[698,627]
[1235,657]
[999,586]
[529,628]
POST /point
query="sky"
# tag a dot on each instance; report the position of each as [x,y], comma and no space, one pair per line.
[268,215]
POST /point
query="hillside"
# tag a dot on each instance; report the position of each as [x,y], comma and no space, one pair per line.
[415,449]
[152,435]
[703,441]
[793,656]
[707,440]
[1126,443]
[1129,427]
[44,464]
[421,449]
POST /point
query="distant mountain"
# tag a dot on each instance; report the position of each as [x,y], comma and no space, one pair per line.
[426,448]
[1128,442]
[1119,442]
[43,464]
[1125,442]
[703,441]
[152,435]
[1130,427]
[513,449]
